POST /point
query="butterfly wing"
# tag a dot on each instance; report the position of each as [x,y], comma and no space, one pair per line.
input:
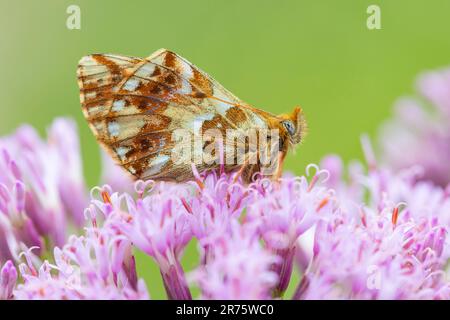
[134,105]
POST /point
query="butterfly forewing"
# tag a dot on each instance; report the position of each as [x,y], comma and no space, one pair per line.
[133,105]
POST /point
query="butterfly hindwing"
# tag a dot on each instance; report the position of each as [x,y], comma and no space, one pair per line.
[133,106]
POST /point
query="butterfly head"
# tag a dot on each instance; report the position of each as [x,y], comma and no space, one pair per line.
[294,125]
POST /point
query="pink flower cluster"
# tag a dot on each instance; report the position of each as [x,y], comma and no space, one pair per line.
[247,236]
[380,233]
[42,188]
[388,239]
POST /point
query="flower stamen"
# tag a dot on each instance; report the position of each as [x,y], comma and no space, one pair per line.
[105,196]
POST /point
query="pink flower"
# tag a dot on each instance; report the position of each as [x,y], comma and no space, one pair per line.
[418,135]
[8,279]
[42,189]
[63,137]
[41,186]
[218,201]
[16,227]
[158,225]
[99,265]
[240,268]
[284,211]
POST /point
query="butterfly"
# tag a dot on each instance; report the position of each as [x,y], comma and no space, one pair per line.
[135,105]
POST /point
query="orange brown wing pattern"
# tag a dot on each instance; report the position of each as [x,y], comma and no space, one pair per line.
[133,105]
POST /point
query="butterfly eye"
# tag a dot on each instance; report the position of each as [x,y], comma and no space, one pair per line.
[289,127]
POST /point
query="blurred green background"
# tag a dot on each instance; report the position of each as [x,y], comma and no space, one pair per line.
[272,54]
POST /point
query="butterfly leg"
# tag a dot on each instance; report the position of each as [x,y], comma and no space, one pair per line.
[279,171]
[241,171]
[248,168]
